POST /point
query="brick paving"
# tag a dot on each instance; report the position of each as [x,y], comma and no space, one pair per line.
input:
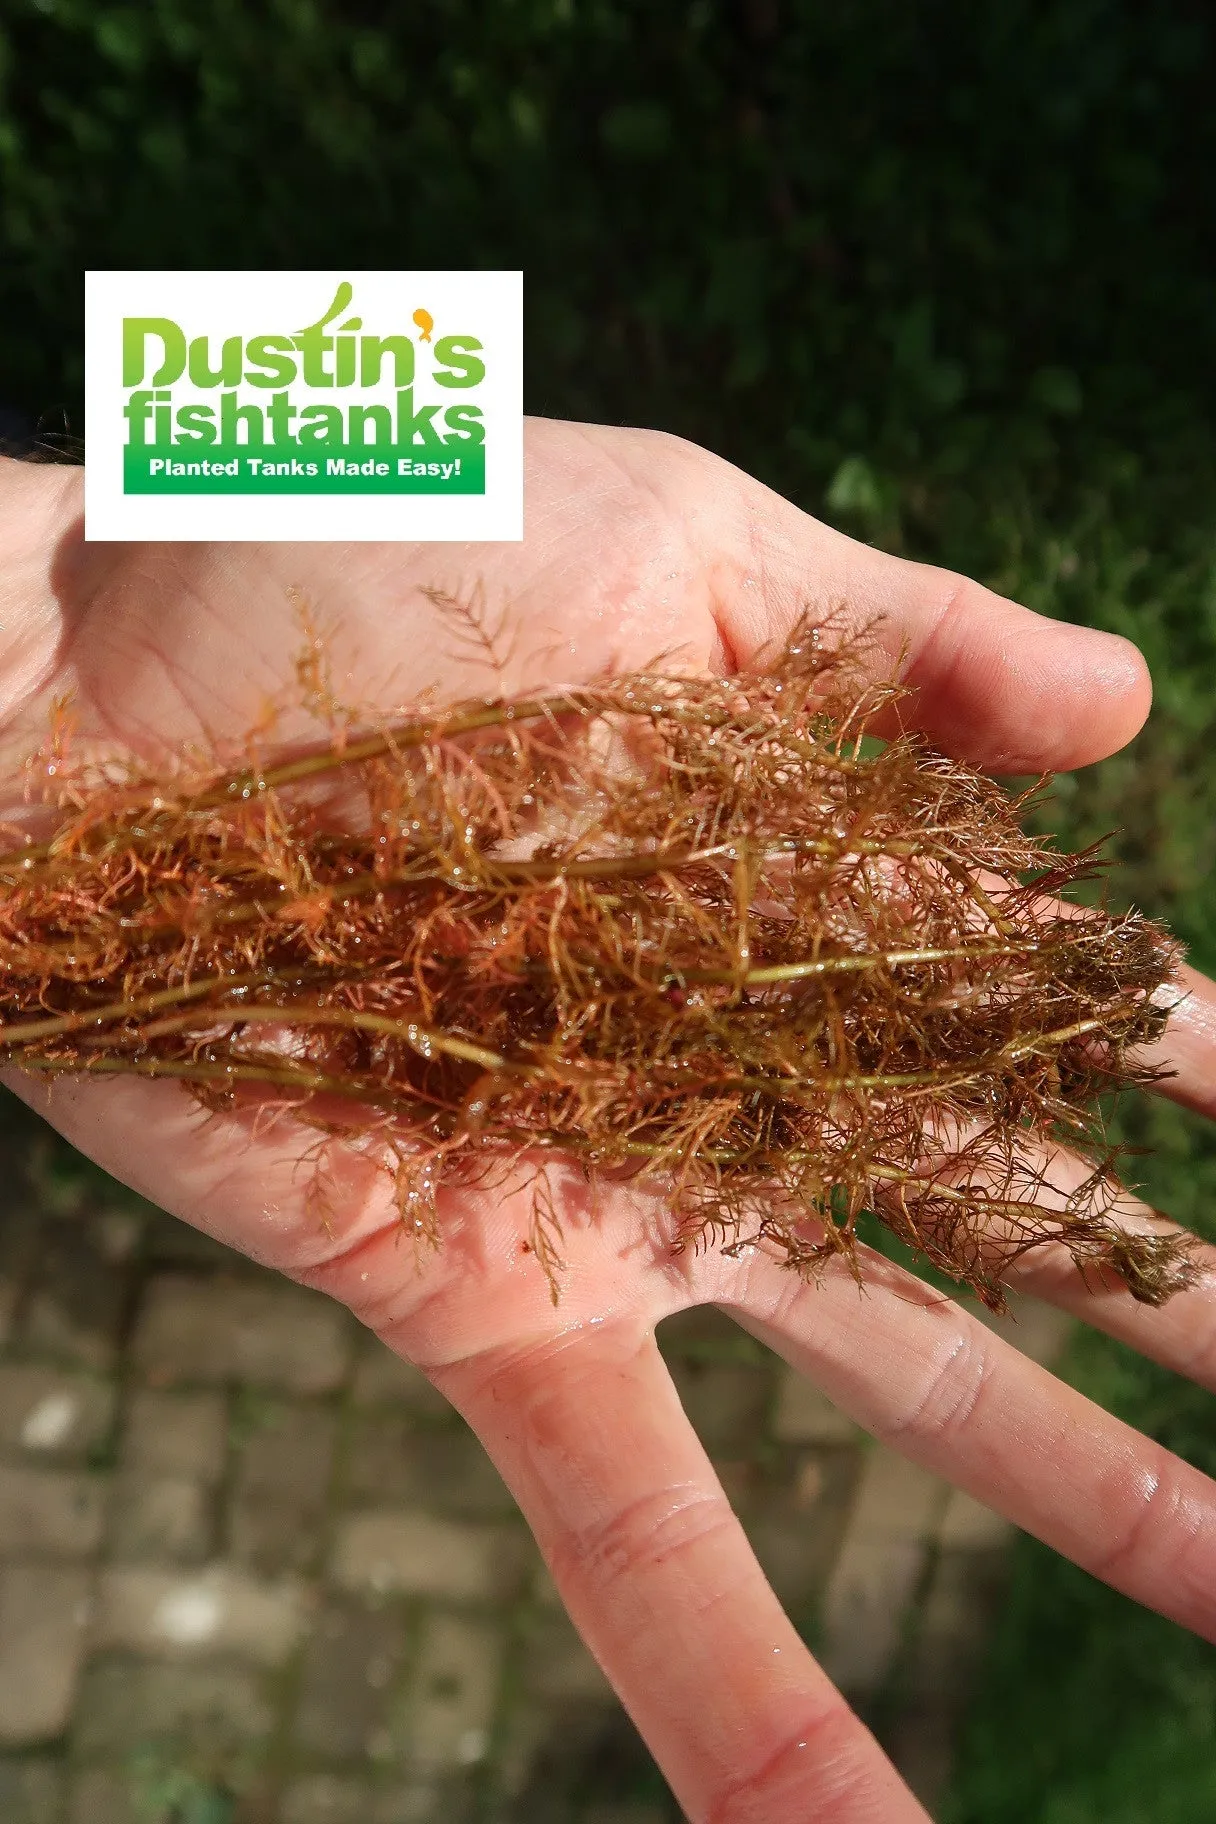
[253,1570]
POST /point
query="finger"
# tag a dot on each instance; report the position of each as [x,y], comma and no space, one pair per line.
[1180,1334]
[1187,1048]
[939,1386]
[995,683]
[658,1576]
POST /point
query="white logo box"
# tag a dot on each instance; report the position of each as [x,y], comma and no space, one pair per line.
[304,405]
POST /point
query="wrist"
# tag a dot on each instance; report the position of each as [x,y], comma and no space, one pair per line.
[40,511]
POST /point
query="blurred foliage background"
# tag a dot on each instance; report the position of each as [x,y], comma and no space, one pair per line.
[944,274]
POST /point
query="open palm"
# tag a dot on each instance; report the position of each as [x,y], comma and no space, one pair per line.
[637,545]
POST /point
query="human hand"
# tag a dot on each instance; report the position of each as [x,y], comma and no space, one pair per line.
[637,544]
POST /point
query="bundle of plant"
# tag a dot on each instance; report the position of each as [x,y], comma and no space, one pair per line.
[695,929]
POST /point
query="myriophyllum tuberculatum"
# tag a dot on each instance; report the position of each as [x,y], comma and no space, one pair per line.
[685,928]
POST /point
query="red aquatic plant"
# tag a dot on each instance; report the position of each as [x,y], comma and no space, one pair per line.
[693,928]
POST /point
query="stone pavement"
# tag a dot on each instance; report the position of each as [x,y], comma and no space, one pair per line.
[253,1570]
